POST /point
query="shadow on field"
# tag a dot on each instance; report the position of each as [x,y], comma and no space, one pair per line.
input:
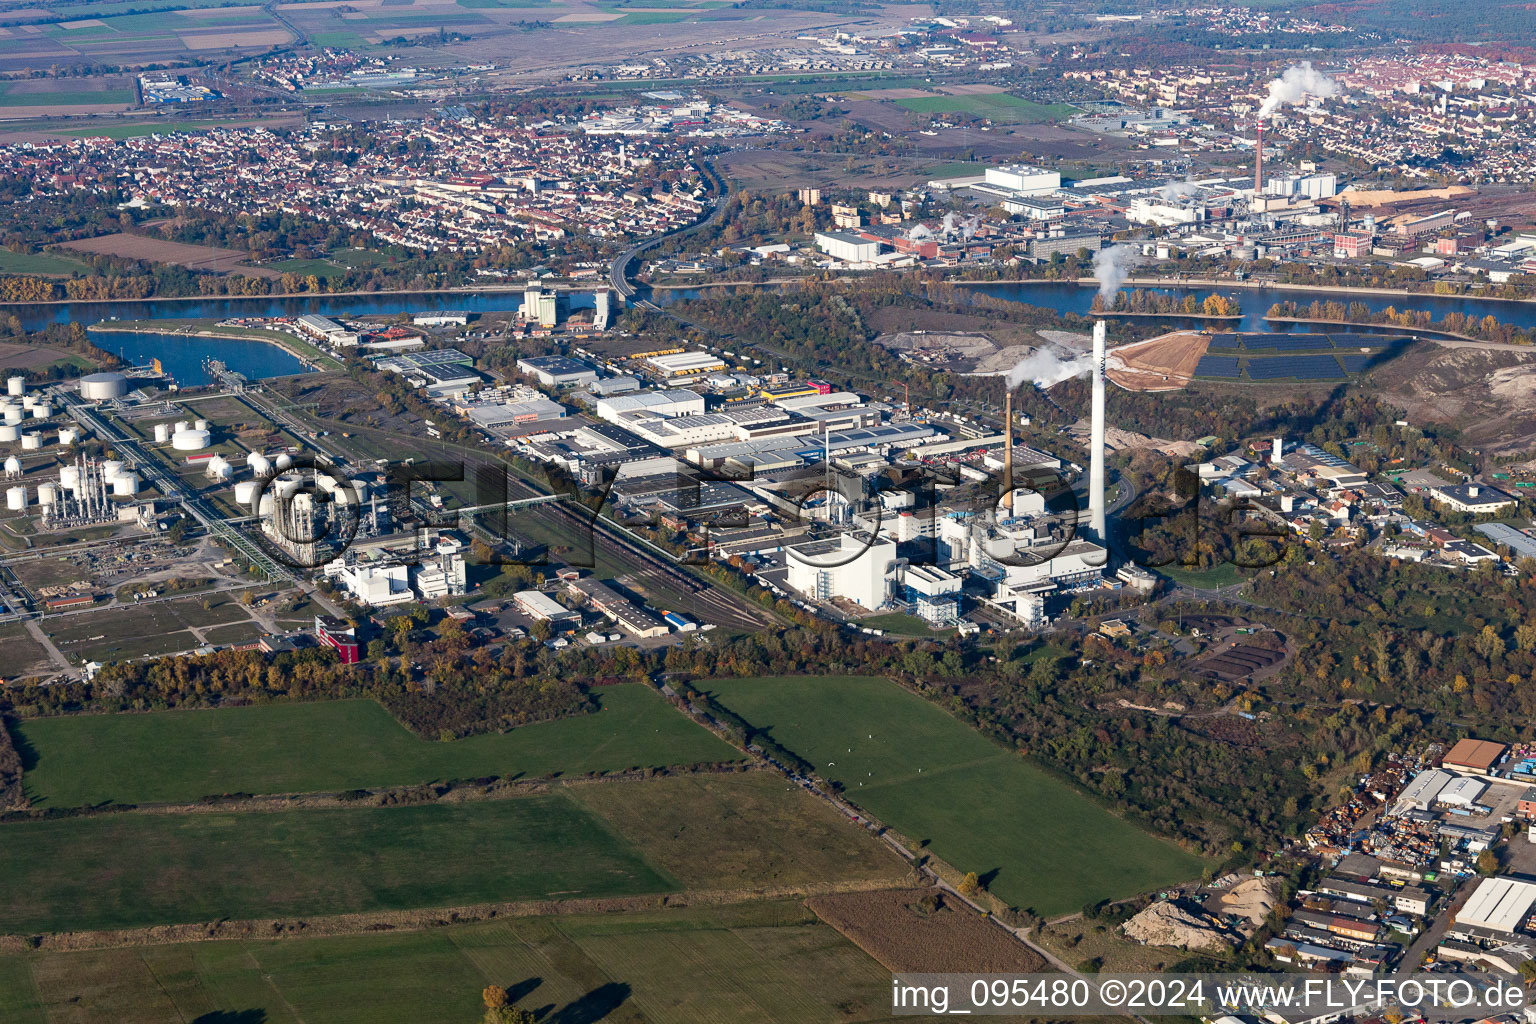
[233,1017]
[593,1006]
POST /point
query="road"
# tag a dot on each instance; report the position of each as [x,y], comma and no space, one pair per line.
[618,268]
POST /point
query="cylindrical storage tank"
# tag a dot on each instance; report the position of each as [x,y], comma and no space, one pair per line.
[246,491]
[259,463]
[41,411]
[47,495]
[16,498]
[68,435]
[326,482]
[69,478]
[183,424]
[31,442]
[15,414]
[15,386]
[287,487]
[190,440]
[9,432]
[266,505]
[162,432]
[110,468]
[284,462]
[125,485]
[28,401]
[99,387]
[12,465]
[200,425]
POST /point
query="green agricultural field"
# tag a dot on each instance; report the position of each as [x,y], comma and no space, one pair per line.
[757,963]
[10,97]
[334,746]
[1001,106]
[38,263]
[132,869]
[1035,841]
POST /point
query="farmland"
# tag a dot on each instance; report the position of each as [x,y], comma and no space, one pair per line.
[1033,840]
[162,250]
[176,756]
[754,964]
[1000,106]
[132,869]
[38,263]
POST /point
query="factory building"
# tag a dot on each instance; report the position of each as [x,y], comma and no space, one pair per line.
[1498,910]
[542,607]
[671,402]
[557,371]
[848,246]
[1025,179]
[685,364]
[854,566]
[630,616]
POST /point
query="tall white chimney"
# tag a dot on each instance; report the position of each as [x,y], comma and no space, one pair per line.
[1279,450]
[1096,465]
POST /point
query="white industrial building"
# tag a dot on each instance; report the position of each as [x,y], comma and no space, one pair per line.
[848,246]
[685,364]
[671,402]
[557,371]
[1025,179]
[1423,791]
[542,607]
[933,594]
[852,566]
[376,586]
[1498,905]
[1462,792]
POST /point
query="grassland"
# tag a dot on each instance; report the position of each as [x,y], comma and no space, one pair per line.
[1001,106]
[141,129]
[1033,840]
[13,97]
[38,263]
[753,964]
[178,756]
[128,870]
[746,830]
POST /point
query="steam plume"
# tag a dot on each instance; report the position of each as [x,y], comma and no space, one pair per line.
[1050,364]
[1178,189]
[1298,82]
[1112,266]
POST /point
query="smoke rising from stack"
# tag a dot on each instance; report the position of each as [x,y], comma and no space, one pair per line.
[1176,190]
[1112,266]
[1298,82]
[1048,365]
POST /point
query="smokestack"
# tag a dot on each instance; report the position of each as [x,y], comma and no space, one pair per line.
[1279,450]
[1096,443]
[1008,451]
[1258,164]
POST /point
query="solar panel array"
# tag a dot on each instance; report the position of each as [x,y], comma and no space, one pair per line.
[1286,342]
[1354,363]
[1217,366]
[1313,367]
[1226,340]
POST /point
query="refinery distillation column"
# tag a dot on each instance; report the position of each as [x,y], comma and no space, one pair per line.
[1096,443]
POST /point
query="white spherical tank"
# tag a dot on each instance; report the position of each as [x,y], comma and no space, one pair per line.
[68,435]
[15,386]
[162,432]
[16,498]
[9,432]
[69,478]
[246,491]
[200,425]
[13,466]
[284,461]
[99,387]
[125,485]
[31,442]
[47,495]
[258,463]
[219,469]
[190,440]
[41,411]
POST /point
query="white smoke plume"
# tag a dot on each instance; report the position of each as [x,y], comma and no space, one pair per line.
[1298,82]
[1176,190]
[965,229]
[920,233]
[1112,266]
[1049,364]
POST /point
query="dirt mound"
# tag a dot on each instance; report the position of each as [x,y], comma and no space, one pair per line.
[1171,924]
[1252,898]
[1489,394]
[1164,363]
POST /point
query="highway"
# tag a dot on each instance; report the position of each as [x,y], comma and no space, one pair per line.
[618,268]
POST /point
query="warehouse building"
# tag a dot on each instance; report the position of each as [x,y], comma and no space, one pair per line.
[557,371]
[848,246]
[543,608]
[671,402]
[619,608]
[856,567]
[1473,757]
[685,364]
[1498,909]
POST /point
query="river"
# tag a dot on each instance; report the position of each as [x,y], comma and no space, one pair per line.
[257,359]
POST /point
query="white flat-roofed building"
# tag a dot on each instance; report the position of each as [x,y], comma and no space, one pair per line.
[848,246]
[934,594]
[1497,905]
[671,402]
[682,431]
[686,364]
[543,607]
[1472,499]
[852,566]
[1025,179]
[441,318]
[378,586]
[557,371]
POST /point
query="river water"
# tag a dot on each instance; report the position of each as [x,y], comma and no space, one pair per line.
[182,356]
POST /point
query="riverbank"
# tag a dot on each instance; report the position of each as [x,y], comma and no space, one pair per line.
[311,357]
[1418,333]
[1217,282]
[477,289]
